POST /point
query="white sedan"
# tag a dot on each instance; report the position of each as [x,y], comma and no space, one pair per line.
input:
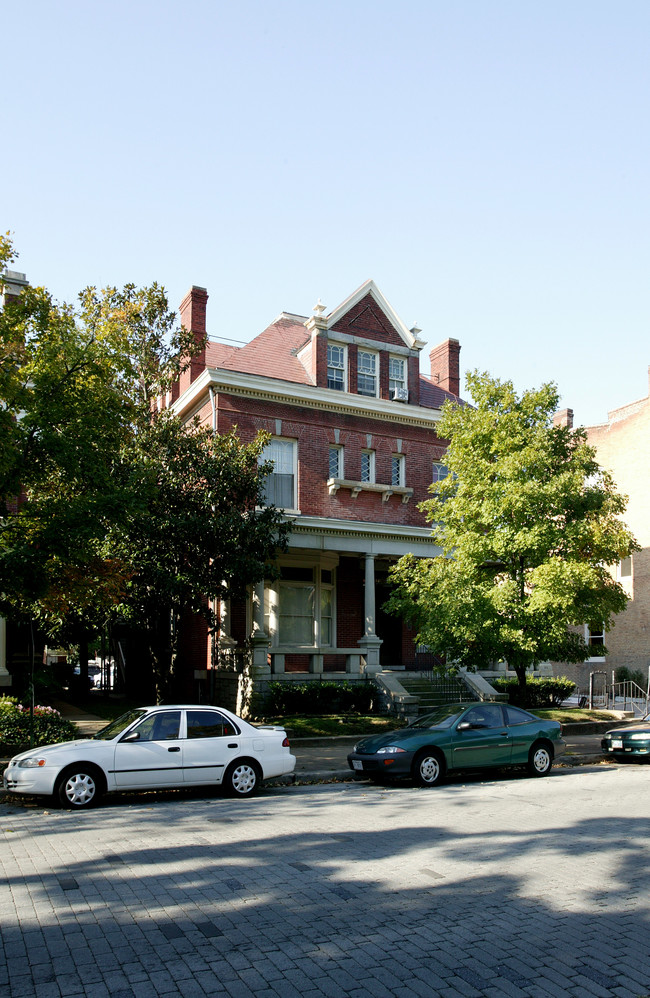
[151,748]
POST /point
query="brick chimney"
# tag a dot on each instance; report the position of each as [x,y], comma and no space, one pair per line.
[563,417]
[193,313]
[12,283]
[445,366]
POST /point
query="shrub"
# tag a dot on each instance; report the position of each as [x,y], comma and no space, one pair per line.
[537,692]
[319,698]
[49,725]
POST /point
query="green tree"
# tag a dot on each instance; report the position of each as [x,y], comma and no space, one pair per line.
[202,533]
[112,510]
[528,523]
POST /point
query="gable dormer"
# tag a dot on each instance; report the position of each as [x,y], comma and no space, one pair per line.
[364,348]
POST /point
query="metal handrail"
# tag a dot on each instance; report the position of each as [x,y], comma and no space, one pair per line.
[630,693]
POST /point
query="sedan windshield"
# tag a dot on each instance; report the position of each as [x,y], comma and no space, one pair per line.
[443,717]
[118,726]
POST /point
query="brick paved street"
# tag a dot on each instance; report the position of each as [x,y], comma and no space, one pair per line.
[508,887]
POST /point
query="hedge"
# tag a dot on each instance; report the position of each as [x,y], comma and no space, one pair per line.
[537,692]
[319,698]
[49,725]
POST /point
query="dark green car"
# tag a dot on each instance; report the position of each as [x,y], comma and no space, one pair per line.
[460,736]
[633,741]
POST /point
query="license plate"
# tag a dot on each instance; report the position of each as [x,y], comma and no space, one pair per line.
[357,764]
[617,743]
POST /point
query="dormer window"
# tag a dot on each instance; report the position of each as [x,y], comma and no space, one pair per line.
[367,373]
[336,367]
[397,388]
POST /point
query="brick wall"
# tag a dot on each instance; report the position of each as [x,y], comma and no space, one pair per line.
[622,446]
[314,432]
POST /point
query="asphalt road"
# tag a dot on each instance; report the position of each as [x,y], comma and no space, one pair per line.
[503,888]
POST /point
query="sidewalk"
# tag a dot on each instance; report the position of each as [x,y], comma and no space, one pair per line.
[319,759]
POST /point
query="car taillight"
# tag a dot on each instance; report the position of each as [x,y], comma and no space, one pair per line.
[285,743]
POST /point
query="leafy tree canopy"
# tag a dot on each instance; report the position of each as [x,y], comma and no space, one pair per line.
[110,509]
[528,524]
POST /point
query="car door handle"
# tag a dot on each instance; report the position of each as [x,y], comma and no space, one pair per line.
[233,745]
[174,748]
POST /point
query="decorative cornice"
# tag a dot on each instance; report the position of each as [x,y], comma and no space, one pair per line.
[361,528]
[305,396]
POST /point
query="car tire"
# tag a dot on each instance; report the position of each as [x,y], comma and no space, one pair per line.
[540,759]
[428,768]
[242,778]
[79,787]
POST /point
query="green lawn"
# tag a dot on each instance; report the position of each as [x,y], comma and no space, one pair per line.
[316,726]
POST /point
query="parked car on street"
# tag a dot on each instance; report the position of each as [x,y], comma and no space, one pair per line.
[155,748]
[632,741]
[460,736]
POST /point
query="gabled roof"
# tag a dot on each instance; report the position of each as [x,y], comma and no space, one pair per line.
[371,292]
[274,354]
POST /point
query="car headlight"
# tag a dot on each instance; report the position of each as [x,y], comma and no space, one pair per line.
[390,750]
[31,763]
[640,736]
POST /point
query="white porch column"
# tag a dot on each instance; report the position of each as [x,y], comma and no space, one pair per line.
[370,643]
[260,638]
[5,675]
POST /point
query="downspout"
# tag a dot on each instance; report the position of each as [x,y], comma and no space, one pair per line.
[214,410]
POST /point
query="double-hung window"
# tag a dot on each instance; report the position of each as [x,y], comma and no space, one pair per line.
[397,378]
[336,367]
[280,484]
[367,373]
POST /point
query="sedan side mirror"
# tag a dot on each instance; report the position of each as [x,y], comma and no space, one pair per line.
[463,726]
[133,736]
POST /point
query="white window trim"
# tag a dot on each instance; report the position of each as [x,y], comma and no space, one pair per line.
[401,461]
[371,480]
[344,368]
[341,461]
[394,383]
[272,617]
[593,658]
[264,457]
[369,353]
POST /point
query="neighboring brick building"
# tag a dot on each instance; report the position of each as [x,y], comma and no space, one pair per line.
[622,446]
[354,444]
[14,641]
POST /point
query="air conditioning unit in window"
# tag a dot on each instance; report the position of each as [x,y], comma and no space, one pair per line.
[400,394]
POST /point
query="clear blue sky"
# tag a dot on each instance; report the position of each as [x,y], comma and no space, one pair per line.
[486,163]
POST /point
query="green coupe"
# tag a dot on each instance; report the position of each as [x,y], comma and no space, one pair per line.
[460,736]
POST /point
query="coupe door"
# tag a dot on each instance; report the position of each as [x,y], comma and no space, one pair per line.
[212,742]
[486,743]
[153,758]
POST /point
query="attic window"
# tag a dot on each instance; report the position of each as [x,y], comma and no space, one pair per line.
[336,367]
[367,373]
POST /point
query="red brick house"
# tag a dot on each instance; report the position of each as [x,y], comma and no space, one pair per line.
[354,445]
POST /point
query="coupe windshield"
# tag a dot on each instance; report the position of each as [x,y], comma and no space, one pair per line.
[116,727]
[442,717]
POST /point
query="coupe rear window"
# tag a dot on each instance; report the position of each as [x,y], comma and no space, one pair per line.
[516,716]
